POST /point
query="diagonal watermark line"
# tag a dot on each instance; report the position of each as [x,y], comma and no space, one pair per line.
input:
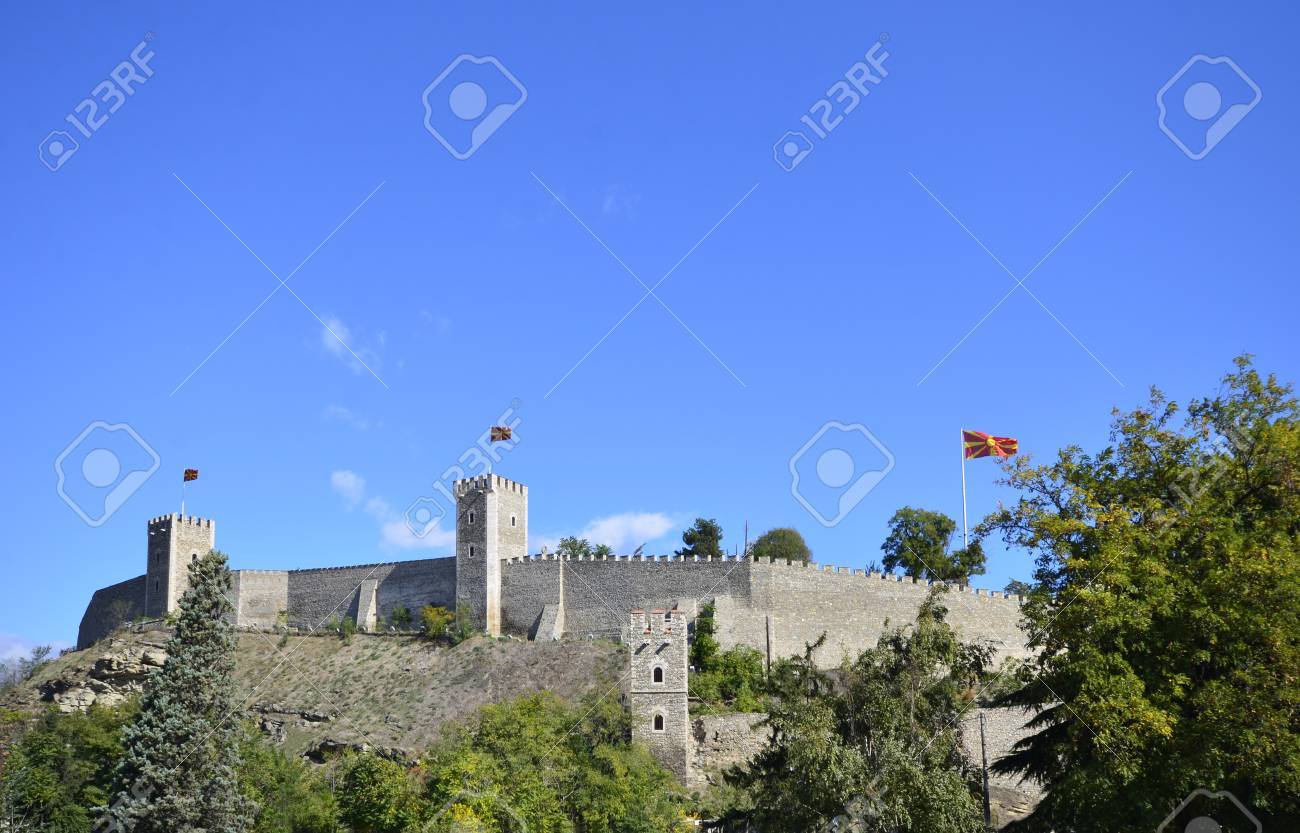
[649,290]
[593,234]
[1072,335]
[686,327]
[707,235]
[283,283]
[338,337]
[229,335]
[330,236]
[1082,220]
[1020,282]
[969,333]
[955,219]
[227,227]
[607,334]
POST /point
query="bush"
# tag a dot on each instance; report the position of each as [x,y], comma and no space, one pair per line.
[730,680]
[437,620]
[400,618]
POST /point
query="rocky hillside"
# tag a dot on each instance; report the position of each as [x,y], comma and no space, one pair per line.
[317,693]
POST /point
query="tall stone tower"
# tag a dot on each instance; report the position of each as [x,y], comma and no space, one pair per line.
[174,542]
[657,686]
[491,526]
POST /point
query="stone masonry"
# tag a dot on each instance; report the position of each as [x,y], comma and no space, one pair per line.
[775,607]
[656,687]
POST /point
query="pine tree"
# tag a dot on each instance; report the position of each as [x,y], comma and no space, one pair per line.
[179,771]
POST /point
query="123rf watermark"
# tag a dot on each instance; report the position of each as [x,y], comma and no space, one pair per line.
[93,112]
[828,113]
[424,514]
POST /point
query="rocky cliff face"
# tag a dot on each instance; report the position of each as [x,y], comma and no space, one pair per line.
[316,695]
[117,674]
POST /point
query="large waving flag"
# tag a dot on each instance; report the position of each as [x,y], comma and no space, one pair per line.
[978,444]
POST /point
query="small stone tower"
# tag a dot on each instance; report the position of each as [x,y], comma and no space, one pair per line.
[174,542]
[657,686]
[491,526]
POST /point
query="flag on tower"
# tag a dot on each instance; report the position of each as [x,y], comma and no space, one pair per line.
[191,474]
[978,444]
[501,433]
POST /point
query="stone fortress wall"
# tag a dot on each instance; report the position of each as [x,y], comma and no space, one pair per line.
[776,608]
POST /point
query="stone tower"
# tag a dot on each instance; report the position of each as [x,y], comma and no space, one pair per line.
[174,542]
[657,686]
[491,526]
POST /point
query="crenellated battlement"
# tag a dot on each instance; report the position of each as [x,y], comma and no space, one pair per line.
[657,623]
[176,518]
[847,573]
[488,482]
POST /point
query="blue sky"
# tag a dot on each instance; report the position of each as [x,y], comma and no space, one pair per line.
[644,146]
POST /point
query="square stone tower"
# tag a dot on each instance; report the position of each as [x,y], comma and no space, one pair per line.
[491,526]
[657,687]
[174,542]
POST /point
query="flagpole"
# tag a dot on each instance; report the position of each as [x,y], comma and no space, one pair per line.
[964,542]
[182,496]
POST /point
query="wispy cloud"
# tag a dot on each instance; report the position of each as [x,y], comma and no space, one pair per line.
[618,200]
[394,532]
[356,352]
[349,485]
[345,415]
[14,647]
[622,532]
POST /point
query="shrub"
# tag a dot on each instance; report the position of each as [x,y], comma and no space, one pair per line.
[436,621]
[400,618]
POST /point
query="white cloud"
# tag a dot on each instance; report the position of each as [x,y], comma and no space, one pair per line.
[623,532]
[14,647]
[345,415]
[394,531]
[338,340]
[618,200]
[349,485]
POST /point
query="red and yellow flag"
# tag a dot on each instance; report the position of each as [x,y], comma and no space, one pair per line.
[191,474]
[979,444]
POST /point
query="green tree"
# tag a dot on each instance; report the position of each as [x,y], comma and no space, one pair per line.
[1016,587]
[60,769]
[376,795]
[781,544]
[919,541]
[730,680]
[1164,616]
[875,746]
[574,548]
[703,538]
[291,797]
[551,766]
[603,551]
[181,752]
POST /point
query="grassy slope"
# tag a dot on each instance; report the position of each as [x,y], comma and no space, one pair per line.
[388,691]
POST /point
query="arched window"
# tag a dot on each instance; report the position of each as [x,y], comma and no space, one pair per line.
[471,518]
[659,723]
[194,556]
[658,674]
[512,520]
[471,550]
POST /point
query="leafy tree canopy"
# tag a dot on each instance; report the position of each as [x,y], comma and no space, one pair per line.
[1164,616]
[703,538]
[919,542]
[873,747]
[781,544]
